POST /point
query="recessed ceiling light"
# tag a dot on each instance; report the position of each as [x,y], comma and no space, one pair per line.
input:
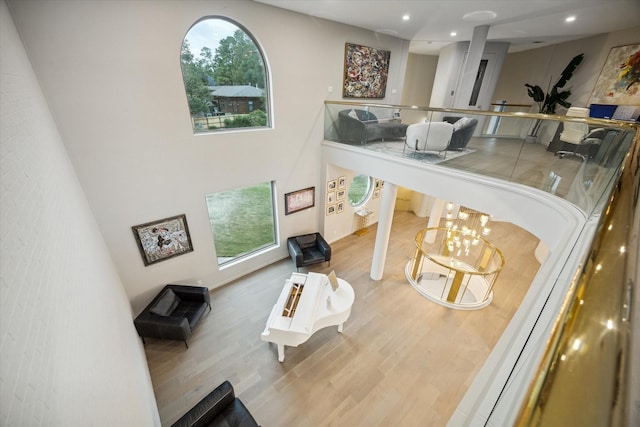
[406,17]
[453,34]
[570,19]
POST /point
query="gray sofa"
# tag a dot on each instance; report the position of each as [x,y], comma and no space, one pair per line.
[462,131]
[173,313]
[357,126]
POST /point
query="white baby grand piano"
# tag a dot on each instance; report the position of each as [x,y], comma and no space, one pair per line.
[307,303]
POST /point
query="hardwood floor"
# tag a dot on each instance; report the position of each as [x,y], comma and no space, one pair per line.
[401,360]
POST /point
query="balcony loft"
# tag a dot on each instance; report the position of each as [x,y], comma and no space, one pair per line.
[577,198]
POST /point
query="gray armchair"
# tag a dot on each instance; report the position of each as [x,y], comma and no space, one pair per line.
[463,128]
[308,249]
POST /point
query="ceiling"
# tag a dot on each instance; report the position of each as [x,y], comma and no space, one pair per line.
[525,24]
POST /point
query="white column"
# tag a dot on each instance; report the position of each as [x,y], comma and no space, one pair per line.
[471,65]
[423,203]
[385,219]
[434,219]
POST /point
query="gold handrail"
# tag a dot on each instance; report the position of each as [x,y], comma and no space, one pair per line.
[583,378]
[518,114]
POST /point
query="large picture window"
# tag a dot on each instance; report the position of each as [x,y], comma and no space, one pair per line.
[225,77]
[242,221]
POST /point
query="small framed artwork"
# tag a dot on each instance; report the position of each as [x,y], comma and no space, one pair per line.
[342,182]
[163,239]
[331,209]
[376,194]
[331,185]
[340,207]
[340,194]
[331,197]
[299,200]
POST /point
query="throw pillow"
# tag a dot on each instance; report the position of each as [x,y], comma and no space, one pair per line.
[306,241]
[460,123]
[353,115]
[166,304]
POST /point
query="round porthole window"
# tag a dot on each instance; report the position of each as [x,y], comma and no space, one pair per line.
[359,190]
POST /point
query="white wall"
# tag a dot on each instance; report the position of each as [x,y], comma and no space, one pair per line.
[419,76]
[339,225]
[544,65]
[70,355]
[449,90]
[111,74]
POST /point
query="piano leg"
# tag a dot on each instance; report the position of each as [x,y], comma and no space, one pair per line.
[280,352]
[340,327]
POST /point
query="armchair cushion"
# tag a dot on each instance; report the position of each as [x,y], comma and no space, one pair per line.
[166,304]
[306,241]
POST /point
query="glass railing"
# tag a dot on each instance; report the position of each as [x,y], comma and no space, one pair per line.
[535,151]
[588,374]
[508,126]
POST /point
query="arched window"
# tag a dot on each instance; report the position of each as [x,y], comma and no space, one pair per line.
[225,77]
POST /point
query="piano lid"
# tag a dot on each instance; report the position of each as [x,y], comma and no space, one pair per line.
[307,305]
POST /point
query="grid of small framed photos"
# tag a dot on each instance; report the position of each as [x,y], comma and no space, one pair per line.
[336,195]
[377,187]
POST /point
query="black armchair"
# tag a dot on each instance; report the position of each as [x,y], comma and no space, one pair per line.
[308,249]
[219,408]
[173,313]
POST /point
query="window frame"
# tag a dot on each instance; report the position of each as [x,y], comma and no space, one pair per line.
[367,195]
[268,98]
[256,251]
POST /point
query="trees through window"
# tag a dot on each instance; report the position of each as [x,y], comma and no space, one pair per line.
[225,77]
[360,190]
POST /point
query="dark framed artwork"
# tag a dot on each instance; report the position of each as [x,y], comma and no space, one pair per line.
[366,70]
[163,239]
[619,80]
[299,200]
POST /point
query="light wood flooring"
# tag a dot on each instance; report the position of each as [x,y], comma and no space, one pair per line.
[401,360]
[513,160]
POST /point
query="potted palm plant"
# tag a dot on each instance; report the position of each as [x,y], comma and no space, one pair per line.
[547,103]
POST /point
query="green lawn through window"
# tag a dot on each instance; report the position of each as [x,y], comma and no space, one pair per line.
[242,220]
